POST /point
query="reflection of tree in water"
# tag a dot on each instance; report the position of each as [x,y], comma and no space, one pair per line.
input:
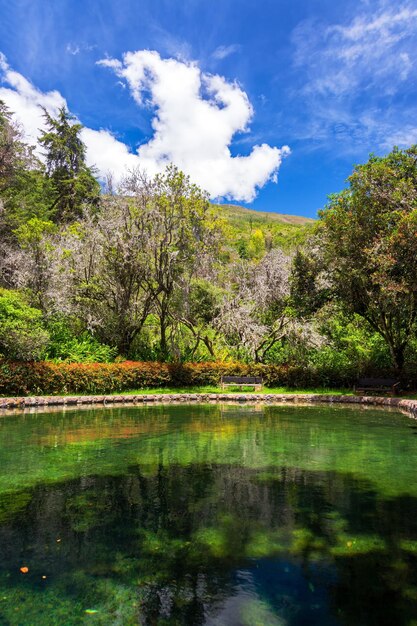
[178,535]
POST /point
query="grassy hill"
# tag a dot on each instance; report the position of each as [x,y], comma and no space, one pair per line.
[254,232]
[235,213]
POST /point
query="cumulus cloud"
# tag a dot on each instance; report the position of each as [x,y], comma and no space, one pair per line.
[104,151]
[25,101]
[108,154]
[195,117]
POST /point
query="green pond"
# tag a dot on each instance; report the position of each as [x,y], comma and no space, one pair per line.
[209,514]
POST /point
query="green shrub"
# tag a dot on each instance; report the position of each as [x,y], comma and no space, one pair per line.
[22,334]
[71,345]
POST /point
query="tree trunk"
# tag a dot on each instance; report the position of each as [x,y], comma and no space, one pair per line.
[123,345]
[163,345]
[397,355]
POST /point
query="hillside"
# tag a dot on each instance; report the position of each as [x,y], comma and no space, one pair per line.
[252,232]
[235,213]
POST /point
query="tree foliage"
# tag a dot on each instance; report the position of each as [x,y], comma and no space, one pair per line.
[12,149]
[72,182]
[152,270]
[22,333]
[24,188]
[366,237]
[130,260]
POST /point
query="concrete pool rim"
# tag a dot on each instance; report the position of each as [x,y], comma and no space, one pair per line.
[406,405]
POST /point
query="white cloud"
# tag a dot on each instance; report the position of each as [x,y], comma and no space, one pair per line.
[73,49]
[369,52]
[107,154]
[25,101]
[355,76]
[402,138]
[196,118]
[222,52]
[77,48]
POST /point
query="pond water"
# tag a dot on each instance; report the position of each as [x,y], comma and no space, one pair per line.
[221,515]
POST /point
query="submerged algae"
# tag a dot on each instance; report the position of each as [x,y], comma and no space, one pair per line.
[209,515]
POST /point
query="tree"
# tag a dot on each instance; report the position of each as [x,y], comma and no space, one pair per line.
[255,316]
[367,236]
[101,273]
[181,232]
[197,305]
[309,286]
[31,264]
[12,150]
[23,187]
[135,257]
[73,183]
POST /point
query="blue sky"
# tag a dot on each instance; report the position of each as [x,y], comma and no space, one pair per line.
[221,87]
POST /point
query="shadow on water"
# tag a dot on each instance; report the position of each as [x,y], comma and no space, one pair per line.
[216,545]
[192,543]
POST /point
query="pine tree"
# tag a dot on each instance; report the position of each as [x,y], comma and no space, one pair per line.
[73,182]
[12,150]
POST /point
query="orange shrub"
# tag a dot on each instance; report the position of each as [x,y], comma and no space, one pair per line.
[21,378]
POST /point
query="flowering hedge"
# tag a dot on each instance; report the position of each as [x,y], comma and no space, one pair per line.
[20,379]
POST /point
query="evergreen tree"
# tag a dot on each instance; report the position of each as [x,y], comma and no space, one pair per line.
[24,189]
[73,182]
[7,146]
[14,154]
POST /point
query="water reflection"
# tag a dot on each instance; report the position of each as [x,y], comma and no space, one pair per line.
[170,517]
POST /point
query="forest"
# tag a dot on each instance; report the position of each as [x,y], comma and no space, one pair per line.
[148,269]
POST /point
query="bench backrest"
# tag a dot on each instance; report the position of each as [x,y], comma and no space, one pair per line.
[243,380]
[377,382]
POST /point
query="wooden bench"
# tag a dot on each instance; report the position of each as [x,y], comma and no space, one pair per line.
[241,381]
[378,385]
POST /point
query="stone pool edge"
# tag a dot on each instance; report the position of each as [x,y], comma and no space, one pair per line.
[410,406]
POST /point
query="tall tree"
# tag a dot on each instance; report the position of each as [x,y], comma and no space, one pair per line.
[11,147]
[182,233]
[367,236]
[23,188]
[73,182]
[101,273]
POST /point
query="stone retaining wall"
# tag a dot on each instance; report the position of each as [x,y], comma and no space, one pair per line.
[409,406]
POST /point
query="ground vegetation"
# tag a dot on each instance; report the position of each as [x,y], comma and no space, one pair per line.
[149,270]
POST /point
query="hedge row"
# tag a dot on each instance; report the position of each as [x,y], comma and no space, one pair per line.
[21,379]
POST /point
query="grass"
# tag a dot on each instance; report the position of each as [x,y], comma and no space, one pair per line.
[212,389]
[244,389]
[265,390]
[201,389]
[236,213]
